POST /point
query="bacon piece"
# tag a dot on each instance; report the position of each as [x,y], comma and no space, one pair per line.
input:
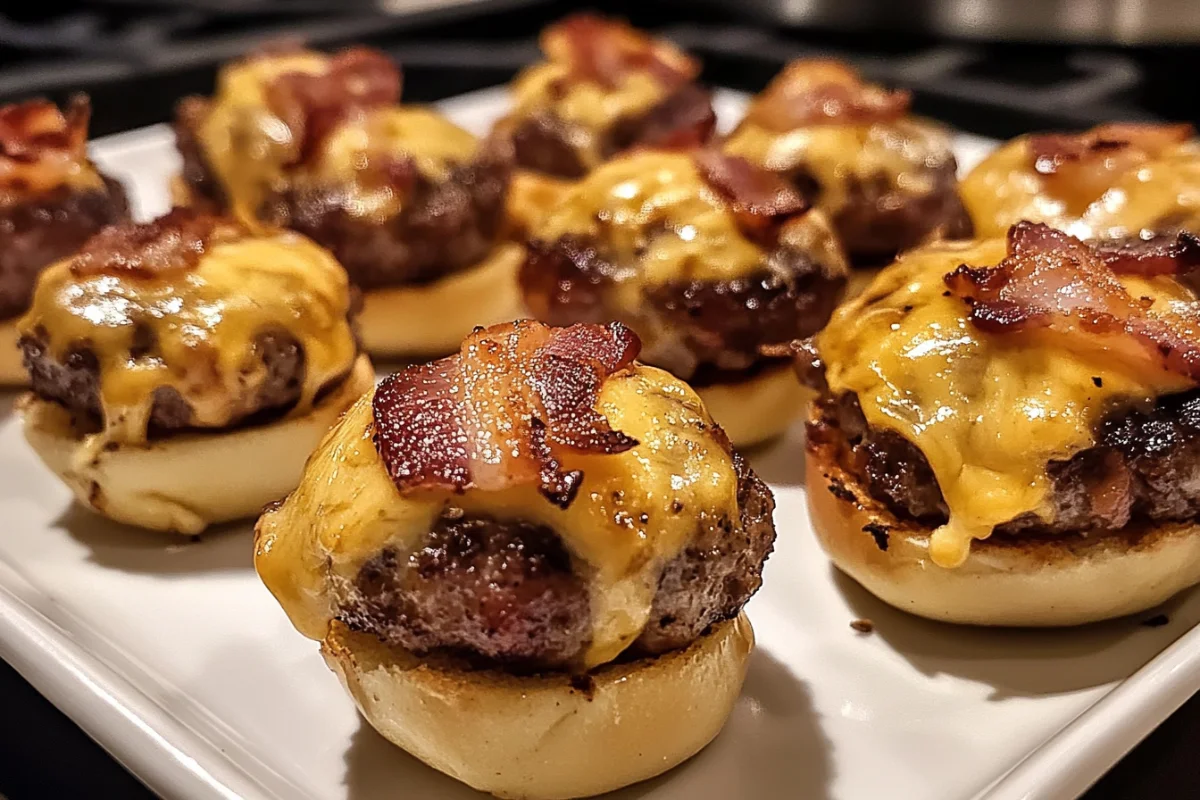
[823,92]
[1081,167]
[1158,255]
[504,410]
[40,146]
[172,243]
[605,51]
[1055,283]
[760,199]
[312,106]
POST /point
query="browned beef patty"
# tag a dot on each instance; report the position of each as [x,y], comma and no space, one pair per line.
[544,143]
[74,382]
[45,228]
[505,592]
[1145,465]
[721,325]
[443,227]
[879,220]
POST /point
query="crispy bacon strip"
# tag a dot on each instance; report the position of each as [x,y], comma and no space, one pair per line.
[1055,283]
[1158,255]
[40,146]
[822,92]
[605,51]
[312,106]
[172,243]
[760,199]
[1081,167]
[504,410]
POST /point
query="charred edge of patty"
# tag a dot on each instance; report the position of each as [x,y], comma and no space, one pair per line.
[504,593]
[1141,471]
[47,227]
[74,383]
[722,325]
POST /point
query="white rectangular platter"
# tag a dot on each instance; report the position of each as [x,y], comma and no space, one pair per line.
[173,655]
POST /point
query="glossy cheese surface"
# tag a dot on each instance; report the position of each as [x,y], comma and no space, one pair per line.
[634,511]
[253,153]
[654,210]
[202,322]
[903,151]
[1161,193]
[987,411]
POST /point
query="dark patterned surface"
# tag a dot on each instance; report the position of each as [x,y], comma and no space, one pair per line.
[137,56]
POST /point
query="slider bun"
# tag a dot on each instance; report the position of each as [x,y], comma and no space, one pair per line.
[12,370]
[432,320]
[1009,581]
[185,482]
[537,737]
[758,409]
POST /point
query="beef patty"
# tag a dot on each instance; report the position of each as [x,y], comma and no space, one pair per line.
[504,591]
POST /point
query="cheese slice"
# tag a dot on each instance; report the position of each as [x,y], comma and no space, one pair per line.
[987,411]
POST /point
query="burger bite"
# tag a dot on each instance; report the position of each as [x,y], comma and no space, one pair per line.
[883,177]
[52,198]
[712,261]
[182,370]
[1114,181]
[1007,431]
[604,87]
[527,561]
[406,200]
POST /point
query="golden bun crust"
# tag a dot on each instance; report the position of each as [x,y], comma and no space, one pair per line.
[184,483]
[540,737]
[12,370]
[432,320]
[1035,582]
[757,410]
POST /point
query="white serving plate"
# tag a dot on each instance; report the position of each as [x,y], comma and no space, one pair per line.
[174,656]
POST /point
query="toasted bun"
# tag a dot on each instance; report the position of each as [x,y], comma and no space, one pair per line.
[186,482]
[1042,582]
[12,370]
[540,737]
[761,408]
[432,320]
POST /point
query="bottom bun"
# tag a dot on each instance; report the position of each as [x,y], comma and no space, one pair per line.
[545,737]
[186,482]
[758,409]
[12,366]
[1008,581]
[414,322]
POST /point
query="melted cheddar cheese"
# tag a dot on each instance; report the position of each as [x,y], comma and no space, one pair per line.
[1162,192]
[634,511]
[203,322]
[904,151]
[253,154]
[550,88]
[987,411]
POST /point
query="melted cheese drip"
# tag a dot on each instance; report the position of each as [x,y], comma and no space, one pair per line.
[634,512]
[19,180]
[550,88]
[653,209]
[252,152]
[988,412]
[204,321]
[905,151]
[1005,188]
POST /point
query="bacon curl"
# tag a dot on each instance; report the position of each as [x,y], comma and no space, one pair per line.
[1158,255]
[41,146]
[504,410]
[312,106]
[760,199]
[172,243]
[1054,283]
[605,51]
[822,92]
